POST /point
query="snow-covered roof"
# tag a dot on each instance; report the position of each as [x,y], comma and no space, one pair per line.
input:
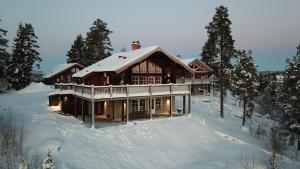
[119,62]
[190,60]
[59,68]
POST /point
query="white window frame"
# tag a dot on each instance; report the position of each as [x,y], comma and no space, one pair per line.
[135,80]
[142,79]
[151,79]
[158,102]
[158,80]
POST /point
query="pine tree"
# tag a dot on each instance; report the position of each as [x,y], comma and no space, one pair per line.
[290,96]
[244,82]
[219,49]
[24,57]
[23,164]
[4,56]
[97,43]
[48,161]
[75,54]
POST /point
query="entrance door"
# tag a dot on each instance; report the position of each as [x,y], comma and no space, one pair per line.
[153,106]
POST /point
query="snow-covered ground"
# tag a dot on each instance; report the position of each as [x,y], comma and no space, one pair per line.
[201,140]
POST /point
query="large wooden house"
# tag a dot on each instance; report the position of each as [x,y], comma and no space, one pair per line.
[140,83]
[62,73]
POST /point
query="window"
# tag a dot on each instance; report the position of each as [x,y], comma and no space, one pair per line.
[143,67]
[158,80]
[158,103]
[142,80]
[151,80]
[158,69]
[134,105]
[135,69]
[135,80]
[142,105]
[151,67]
[138,105]
[68,78]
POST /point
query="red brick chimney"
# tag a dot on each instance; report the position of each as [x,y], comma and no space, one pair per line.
[135,45]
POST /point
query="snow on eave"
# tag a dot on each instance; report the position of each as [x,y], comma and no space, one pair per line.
[60,68]
[114,64]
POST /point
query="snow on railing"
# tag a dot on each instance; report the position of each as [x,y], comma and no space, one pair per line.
[117,91]
[194,81]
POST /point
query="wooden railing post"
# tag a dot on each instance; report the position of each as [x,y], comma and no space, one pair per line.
[110,91]
[171,99]
[93,107]
[150,101]
[127,104]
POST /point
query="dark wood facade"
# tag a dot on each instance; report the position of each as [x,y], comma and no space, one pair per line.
[170,71]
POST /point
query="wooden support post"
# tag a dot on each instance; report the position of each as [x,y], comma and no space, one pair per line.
[171,100]
[183,106]
[150,101]
[150,107]
[82,113]
[93,107]
[127,110]
[189,107]
[75,107]
[113,109]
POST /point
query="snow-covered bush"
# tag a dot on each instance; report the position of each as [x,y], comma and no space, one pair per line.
[48,161]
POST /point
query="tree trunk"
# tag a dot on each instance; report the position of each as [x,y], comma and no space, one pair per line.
[244,112]
[222,97]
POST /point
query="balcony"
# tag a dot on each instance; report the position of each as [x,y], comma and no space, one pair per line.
[195,81]
[121,91]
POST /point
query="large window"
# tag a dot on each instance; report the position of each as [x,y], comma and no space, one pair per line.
[143,67]
[138,105]
[158,103]
[151,80]
[153,68]
[136,69]
[135,80]
[143,80]
[158,80]
[134,105]
[142,105]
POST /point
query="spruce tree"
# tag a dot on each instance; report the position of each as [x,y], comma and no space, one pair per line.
[244,82]
[97,43]
[75,54]
[289,96]
[48,161]
[4,56]
[219,49]
[24,57]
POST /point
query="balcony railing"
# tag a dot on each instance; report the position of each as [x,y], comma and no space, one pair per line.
[195,81]
[122,91]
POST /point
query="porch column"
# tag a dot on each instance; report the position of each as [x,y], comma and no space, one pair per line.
[127,110]
[150,107]
[150,101]
[189,107]
[183,106]
[171,106]
[171,102]
[112,105]
[93,107]
[82,114]
[75,107]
